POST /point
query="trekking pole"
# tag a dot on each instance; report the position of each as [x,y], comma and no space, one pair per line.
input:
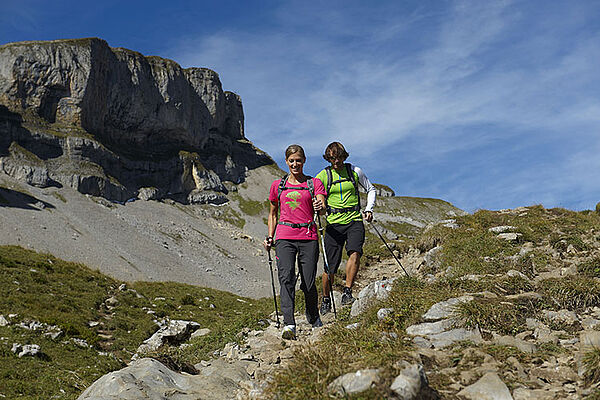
[273,286]
[326,264]
[388,247]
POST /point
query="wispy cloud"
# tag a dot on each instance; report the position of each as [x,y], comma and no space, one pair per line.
[471,81]
[18,15]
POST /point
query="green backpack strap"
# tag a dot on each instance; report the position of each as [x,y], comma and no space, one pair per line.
[311,187]
[281,187]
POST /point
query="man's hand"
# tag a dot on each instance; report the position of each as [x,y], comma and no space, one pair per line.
[368,216]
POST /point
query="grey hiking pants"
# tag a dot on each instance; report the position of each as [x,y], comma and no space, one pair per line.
[307,253]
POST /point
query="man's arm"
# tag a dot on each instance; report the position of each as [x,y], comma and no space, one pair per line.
[368,186]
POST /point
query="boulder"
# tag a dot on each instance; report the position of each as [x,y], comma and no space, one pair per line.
[200,333]
[522,345]
[562,316]
[354,382]
[590,323]
[384,313]
[432,255]
[430,328]
[554,373]
[489,387]
[412,383]
[378,290]
[447,338]
[147,378]
[206,197]
[148,193]
[502,229]
[445,309]
[22,350]
[174,333]
[510,236]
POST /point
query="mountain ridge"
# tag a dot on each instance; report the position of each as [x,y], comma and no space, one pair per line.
[110,121]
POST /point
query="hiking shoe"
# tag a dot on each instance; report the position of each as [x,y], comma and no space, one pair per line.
[325,306]
[318,323]
[289,332]
[347,296]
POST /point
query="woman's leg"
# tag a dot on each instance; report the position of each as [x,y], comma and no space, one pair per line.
[307,264]
[286,251]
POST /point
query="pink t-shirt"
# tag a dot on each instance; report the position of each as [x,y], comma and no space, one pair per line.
[296,207]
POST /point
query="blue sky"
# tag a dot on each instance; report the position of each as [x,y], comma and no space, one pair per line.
[486,104]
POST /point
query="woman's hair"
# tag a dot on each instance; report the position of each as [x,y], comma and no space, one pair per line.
[294,148]
[335,150]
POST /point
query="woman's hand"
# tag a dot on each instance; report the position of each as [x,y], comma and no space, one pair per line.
[317,204]
[268,243]
[368,215]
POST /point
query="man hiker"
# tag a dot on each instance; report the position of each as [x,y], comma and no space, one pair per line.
[344,218]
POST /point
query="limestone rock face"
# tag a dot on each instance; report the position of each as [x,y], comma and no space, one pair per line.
[108,121]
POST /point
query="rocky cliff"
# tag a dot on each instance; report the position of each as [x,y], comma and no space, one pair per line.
[112,122]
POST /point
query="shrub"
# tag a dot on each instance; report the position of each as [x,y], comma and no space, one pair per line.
[590,268]
[575,293]
[188,300]
[591,362]
[493,315]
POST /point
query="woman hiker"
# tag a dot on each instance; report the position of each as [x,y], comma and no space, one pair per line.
[297,197]
[344,218]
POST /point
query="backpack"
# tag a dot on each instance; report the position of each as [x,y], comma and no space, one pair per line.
[330,183]
[282,187]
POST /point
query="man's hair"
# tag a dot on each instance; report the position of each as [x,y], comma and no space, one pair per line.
[335,150]
[294,148]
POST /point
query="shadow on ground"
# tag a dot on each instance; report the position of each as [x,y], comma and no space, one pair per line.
[13,198]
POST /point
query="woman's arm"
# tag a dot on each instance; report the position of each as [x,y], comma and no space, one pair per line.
[319,205]
[272,224]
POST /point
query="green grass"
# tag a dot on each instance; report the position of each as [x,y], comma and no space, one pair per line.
[231,216]
[59,197]
[43,288]
[251,207]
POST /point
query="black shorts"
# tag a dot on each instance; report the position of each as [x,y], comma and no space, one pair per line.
[352,234]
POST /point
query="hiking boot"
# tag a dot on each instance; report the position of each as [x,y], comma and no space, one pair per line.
[325,306]
[318,323]
[347,296]
[289,332]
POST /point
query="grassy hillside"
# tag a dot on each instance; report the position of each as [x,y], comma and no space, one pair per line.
[98,335]
[558,254]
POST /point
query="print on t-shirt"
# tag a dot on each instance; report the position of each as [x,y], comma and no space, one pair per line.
[295,195]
